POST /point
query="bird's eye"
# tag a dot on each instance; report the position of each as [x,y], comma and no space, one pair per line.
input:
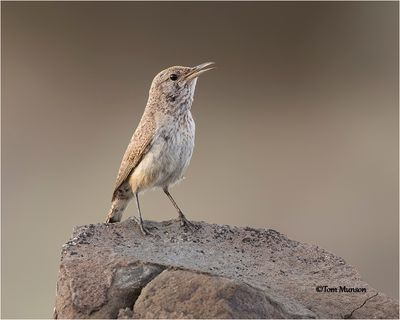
[173,77]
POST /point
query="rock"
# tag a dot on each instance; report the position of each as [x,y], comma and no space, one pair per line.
[187,294]
[214,271]
[125,314]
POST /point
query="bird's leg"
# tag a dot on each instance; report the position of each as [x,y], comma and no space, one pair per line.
[140,221]
[181,217]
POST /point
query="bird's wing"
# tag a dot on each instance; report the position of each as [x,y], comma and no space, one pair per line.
[137,148]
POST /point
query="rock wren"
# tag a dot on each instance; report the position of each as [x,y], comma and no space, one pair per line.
[162,145]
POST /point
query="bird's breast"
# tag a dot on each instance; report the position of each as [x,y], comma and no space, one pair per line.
[169,155]
[177,141]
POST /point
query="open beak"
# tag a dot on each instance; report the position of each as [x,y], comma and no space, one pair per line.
[198,70]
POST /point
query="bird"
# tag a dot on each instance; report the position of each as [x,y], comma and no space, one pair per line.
[161,147]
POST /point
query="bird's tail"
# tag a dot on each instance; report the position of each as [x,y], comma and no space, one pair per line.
[117,208]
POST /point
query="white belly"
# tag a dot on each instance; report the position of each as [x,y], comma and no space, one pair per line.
[168,158]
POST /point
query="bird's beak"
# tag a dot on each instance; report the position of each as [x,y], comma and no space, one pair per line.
[198,70]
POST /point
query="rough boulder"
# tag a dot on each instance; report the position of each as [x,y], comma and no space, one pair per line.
[210,271]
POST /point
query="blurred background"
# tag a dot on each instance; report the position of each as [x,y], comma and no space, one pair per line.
[297,128]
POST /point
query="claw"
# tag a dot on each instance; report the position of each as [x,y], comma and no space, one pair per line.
[186,223]
[144,231]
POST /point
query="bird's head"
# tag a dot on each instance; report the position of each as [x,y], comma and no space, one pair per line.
[175,85]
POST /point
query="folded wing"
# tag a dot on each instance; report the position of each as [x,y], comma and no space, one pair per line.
[137,148]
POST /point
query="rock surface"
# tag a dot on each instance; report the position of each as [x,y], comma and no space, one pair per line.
[213,271]
[186,294]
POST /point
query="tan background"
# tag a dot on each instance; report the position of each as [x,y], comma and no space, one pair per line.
[297,129]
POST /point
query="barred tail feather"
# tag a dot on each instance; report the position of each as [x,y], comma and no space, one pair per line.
[117,208]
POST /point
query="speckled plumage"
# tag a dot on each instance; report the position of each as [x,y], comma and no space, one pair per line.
[162,145]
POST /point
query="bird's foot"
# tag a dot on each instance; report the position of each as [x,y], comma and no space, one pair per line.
[144,231]
[185,223]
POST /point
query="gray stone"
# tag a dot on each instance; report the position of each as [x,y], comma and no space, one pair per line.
[177,294]
[107,271]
